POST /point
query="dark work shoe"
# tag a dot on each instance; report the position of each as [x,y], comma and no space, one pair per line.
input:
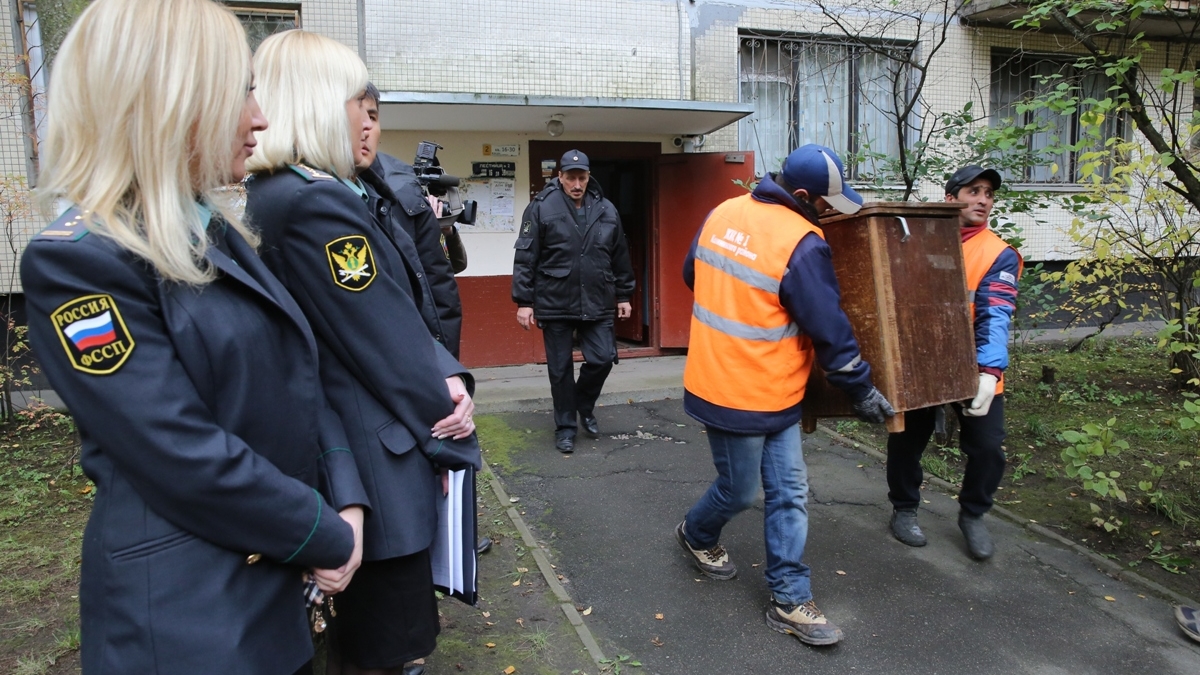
[590,426]
[564,440]
[905,527]
[483,545]
[713,563]
[805,621]
[979,540]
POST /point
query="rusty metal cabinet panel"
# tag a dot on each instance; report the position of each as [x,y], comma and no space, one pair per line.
[903,282]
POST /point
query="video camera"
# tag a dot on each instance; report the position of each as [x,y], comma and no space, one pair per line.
[437,183]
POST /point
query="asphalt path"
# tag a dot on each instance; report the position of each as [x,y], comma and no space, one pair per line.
[607,514]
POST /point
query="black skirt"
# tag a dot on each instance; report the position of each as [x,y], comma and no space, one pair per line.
[388,615]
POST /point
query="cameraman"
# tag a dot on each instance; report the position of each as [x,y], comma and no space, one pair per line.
[401,201]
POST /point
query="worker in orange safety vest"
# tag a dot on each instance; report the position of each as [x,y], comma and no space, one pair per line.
[766,307]
[993,268]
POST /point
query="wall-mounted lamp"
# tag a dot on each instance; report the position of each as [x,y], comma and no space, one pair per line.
[555,126]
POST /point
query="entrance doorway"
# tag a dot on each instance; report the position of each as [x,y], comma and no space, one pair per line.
[625,173]
[662,200]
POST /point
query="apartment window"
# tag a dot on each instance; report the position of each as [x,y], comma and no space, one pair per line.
[263,23]
[1017,78]
[817,90]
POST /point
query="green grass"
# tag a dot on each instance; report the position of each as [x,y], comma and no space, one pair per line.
[500,441]
[1127,380]
[44,503]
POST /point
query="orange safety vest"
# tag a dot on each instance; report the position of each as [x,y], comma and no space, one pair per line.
[745,352]
[979,254]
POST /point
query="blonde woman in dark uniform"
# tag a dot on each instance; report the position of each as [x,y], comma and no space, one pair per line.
[404,400]
[221,473]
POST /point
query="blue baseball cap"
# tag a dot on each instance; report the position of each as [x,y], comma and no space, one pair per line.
[817,169]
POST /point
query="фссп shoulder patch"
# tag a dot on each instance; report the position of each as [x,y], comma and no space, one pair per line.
[93,334]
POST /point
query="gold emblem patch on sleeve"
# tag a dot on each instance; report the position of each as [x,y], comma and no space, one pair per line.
[351,262]
[93,334]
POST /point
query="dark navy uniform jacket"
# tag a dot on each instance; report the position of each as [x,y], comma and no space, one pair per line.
[383,372]
[206,432]
[394,181]
[567,272]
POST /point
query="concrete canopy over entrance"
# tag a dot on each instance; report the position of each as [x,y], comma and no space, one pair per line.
[400,110]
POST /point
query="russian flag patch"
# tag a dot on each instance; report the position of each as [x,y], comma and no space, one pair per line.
[93,334]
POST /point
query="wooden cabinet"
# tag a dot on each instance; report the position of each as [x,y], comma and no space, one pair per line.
[900,269]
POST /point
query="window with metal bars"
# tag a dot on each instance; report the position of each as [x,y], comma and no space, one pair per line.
[840,94]
[1018,78]
[262,23]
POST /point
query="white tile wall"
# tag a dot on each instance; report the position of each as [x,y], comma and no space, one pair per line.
[668,49]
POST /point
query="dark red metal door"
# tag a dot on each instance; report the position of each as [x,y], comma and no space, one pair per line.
[689,186]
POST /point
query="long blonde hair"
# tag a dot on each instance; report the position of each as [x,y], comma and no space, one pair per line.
[143,109]
[304,82]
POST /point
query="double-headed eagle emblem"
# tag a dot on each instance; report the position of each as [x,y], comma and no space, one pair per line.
[351,262]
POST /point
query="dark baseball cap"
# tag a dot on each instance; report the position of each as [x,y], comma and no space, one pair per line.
[573,159]
[817,169]
[968,174]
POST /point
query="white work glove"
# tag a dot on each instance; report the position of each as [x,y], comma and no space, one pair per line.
[979,406]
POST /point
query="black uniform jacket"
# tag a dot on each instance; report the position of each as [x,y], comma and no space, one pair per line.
[565,272]
[383,373]
[200,410]
[416,218]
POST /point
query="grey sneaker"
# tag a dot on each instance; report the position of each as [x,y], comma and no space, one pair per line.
[805,621]
[714,563]
[905,527]
[979,540]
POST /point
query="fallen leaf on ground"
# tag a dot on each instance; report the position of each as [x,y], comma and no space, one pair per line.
[517,582]
[522,570]
[587,612]
[659,616]
[841,573]
[655,641]
[487,615]
[514,500]
[510,670]
[521,623]
[1110,598]
[490,645]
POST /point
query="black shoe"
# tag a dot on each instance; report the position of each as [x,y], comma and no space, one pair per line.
[415,669]
[565,441]
[979,540]
[590,426]
[483,545]
[905,528]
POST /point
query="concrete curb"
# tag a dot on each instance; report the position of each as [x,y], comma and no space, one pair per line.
[1109,567]
[539,556]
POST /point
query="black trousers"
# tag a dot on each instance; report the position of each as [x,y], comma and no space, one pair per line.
[981,439]
[599,348]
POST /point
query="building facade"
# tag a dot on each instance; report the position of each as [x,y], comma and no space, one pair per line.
[673,100]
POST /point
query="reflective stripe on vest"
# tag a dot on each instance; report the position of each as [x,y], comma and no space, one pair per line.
[979,254]
[745,351]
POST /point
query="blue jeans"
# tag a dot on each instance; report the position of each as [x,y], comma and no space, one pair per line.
[739,461]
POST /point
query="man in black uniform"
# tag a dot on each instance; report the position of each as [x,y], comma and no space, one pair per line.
[571,267]
[402,203]
[397,201]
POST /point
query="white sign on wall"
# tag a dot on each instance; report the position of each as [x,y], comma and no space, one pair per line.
[495,199]
[490,150]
